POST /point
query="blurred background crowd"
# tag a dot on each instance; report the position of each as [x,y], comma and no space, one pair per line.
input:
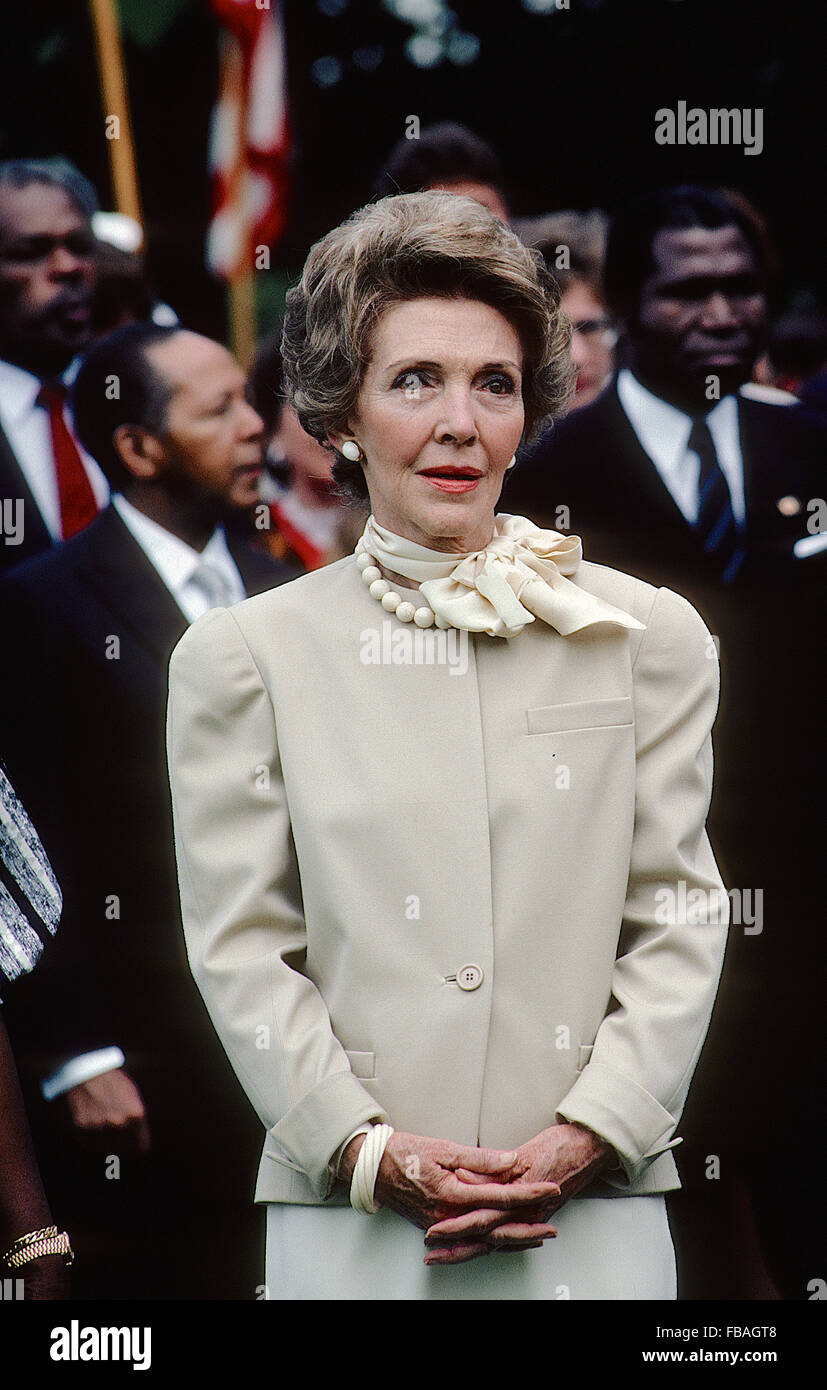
[150,469]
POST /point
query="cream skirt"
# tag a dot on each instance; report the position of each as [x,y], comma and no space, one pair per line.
[606,1248]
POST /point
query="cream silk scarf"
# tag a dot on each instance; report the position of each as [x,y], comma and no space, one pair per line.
[517,577]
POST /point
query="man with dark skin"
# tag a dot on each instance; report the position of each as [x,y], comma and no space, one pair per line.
[207,460]
[48,489]
[182,449]
[47,274]
[201,467]
[701,315]
[636,473]
[687,278]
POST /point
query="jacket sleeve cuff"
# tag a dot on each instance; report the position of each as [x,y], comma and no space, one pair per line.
[620,1111]
[339,1154]
[313,1129]
[80,1069]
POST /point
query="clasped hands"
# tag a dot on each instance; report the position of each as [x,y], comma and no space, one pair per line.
[472,1201]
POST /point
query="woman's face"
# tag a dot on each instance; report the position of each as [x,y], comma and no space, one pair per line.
[438,418]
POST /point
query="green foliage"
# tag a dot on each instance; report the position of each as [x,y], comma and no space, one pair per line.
[147,23]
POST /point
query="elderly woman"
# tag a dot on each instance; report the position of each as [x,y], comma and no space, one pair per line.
[439,811]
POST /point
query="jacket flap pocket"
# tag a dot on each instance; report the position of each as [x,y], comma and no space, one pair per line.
[581,714]
[362,1064]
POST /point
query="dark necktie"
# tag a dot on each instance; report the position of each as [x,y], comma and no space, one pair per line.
[716,526]
[78,504]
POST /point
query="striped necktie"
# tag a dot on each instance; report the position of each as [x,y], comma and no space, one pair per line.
[213,583]
[715,525]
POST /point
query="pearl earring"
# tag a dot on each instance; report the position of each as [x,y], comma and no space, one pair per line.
[351,450]
[512,463]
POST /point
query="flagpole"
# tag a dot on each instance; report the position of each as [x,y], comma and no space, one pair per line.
[248,150]
[242,295]
[106,27]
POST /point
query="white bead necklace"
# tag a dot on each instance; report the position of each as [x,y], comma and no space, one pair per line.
[392,602]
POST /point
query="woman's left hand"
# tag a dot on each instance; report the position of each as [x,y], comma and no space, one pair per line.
[568,1154]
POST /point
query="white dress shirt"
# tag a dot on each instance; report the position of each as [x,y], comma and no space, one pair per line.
[178,566]
[26,426]
[664,432]
[178,563]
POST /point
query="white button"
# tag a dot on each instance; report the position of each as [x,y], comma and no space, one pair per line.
[469,977]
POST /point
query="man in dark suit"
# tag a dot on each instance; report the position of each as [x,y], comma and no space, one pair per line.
[673,475]
[91,627]
[672,470]
[49,487]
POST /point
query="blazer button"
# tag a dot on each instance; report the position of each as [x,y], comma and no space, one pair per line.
[469,976]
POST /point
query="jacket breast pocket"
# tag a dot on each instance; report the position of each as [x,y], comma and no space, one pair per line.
[362,1064]
[580,714]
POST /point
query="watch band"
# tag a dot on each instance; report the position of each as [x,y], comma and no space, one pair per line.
[47,1241]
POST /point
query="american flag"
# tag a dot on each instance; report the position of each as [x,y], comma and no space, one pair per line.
[249,137]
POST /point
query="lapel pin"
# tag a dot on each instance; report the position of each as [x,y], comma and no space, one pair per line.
[788,506]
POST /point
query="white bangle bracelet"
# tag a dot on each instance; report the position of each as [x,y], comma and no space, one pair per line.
[366,1168]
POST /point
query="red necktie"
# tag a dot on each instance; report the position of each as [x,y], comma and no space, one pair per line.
[78,504]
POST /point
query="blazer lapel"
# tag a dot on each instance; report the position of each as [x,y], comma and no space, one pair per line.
[13,486]
[116,567]
[635,475]
[776,465]
[258,571]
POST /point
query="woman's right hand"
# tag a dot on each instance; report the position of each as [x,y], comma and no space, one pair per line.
[417,1178]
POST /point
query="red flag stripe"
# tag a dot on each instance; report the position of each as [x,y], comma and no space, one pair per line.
[250,137]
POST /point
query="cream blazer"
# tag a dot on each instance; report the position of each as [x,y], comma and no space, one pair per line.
[356,827]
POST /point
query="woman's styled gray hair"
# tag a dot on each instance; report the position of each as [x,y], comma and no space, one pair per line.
[402,248]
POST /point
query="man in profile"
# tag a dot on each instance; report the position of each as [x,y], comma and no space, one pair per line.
[127,1056]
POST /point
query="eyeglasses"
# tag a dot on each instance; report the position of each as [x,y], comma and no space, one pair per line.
[587,327]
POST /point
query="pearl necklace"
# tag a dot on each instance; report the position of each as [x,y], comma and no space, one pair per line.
[392,602]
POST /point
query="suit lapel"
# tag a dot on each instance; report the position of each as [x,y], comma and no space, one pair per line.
[117,569]
[775,456]
[258,571]
[13,485]
[640,484]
